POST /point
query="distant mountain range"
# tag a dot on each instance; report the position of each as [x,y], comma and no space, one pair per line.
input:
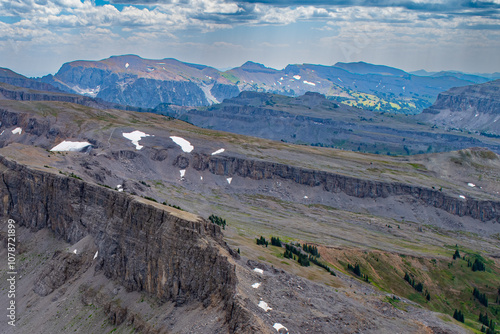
[131,80]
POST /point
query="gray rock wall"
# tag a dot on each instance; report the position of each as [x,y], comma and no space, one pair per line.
[141,246]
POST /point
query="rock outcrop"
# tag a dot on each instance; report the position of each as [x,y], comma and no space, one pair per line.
[474,107]
[168,254]
[336,183]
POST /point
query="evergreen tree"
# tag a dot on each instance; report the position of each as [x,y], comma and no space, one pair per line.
[456,255]
[478,265]
[262,241]
[458,315]
[276,241]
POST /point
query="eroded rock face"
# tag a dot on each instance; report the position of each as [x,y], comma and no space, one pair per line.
[141,246]
[474,107]
[361,188]
[61,268]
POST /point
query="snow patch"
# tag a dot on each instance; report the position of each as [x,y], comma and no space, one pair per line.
[255,285]
[281,78]
[201,178]
[183,143]
[2,132]
[96,253]
[309,83]
[263,305]
[257,270]
[218,151]
[92,92]
[306,197]
[183,172]
[119,188]
[297,77]
[17,130]
[342,81]
[72,146]
[75,251]
[462,196]
[229,179]
[476,115]
[471,185]
[135,136]
[279,326]
[127,65]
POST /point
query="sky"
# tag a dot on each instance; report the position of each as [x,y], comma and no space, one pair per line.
[38,36]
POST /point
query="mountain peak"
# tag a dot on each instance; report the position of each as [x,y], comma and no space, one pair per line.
[366,68]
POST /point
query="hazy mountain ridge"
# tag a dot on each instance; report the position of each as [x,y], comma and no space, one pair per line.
[12,78]
[146,83]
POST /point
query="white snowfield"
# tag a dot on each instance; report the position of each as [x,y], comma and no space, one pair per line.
[279,326]
[309,83]
[71,146]
[183,172]
[255,285]
[135,136]
[17,130]
[297,77]
[127,65]
[183,143]
[75,251]
[229,179]
[119,188]
[263,305]
[96,253]
[92,92]
[257,270]
[219,151]
[471,185]
[462,196]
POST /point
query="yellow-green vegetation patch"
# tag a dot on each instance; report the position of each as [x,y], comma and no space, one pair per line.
[231,77]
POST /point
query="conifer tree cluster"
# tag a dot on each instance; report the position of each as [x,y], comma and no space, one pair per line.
[357,271]
[218,221]
[488,324]
[456,255]
[275,241]
[305,260]
[321,264]
[458,315]
[481,297]
[262,241]
[417,286]
[477,265]
[313,250]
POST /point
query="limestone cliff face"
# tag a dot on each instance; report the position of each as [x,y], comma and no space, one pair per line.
[27,95]
[474,107]
[142,246]
[258,170]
